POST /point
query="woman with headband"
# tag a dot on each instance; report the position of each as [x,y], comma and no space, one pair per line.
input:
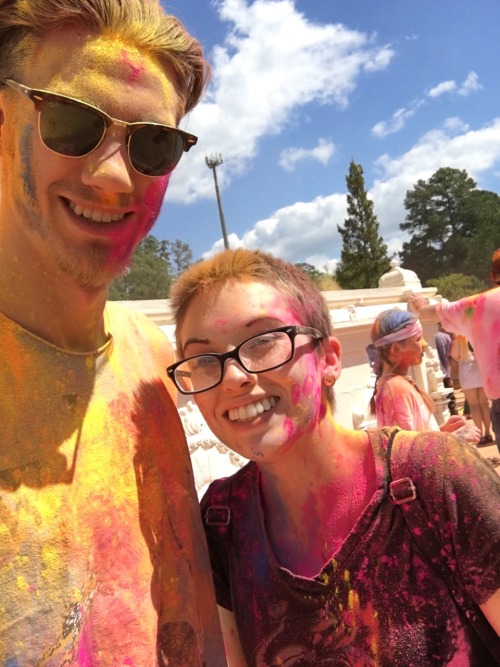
[397,401]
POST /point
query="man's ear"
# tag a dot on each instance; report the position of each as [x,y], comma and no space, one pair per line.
[332,352]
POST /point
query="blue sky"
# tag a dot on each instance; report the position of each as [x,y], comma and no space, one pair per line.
[301,88]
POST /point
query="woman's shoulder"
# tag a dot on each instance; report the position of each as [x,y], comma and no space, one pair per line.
[223,491]
[393,382]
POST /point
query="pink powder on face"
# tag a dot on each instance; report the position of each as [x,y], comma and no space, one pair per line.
[135,70]
[222,324]
[296,393]
[288,427]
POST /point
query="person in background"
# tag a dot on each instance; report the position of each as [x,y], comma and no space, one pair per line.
[443,340]
[397,400]
[102,554]
[476,317]
[471,385]
[313,562]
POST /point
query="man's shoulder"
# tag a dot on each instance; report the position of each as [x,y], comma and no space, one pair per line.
[131,329]
[123,320]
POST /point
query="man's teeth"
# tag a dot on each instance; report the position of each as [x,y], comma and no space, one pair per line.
[252,409]
[95,216]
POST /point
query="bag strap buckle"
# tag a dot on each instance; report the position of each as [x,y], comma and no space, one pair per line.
[402,491]
[217,515]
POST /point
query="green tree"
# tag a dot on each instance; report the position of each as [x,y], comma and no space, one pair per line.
[482,214]
[364,254]
[149,275]
[455,286]
[181,256]
[444,214]
[313,273]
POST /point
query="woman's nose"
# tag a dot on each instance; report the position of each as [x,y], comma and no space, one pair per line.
[235,375]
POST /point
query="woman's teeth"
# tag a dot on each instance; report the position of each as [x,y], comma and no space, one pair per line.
[252,409]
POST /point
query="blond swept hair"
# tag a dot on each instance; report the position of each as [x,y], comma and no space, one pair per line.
[142,23]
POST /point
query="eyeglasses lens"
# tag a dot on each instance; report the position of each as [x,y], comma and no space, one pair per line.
[155,150]
[70,130]
[266,351]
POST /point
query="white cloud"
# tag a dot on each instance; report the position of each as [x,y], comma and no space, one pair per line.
[401,116]
[309,229]
[273,61]
[470,85]
[398,121]
[301,230]
[442,88]
[476,151]
[455,125]
[322,153]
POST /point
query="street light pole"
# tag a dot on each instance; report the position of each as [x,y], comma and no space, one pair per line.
[212,163]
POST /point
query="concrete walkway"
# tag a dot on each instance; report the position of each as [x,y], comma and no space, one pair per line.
[490,452]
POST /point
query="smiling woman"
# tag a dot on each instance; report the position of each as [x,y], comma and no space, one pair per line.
[305,537]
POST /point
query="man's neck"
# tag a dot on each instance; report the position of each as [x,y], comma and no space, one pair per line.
[68,316]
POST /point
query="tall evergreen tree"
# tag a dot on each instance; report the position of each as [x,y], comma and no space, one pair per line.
[364,255]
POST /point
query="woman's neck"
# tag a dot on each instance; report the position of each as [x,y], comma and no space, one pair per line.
[396,370]
[310,508]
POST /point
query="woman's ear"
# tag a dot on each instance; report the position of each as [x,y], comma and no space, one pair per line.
[331,360]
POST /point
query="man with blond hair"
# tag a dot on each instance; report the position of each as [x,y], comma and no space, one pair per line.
[102,555]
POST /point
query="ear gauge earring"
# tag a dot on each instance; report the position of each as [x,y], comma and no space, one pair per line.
[329,380]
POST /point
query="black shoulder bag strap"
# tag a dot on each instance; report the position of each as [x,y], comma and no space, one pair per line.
[404,493]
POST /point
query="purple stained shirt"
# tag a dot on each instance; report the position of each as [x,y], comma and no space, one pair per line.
[377,602]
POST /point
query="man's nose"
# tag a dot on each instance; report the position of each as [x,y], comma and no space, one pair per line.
[108,166]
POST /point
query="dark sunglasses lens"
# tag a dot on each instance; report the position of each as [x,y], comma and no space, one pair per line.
[70,130]
[155,151]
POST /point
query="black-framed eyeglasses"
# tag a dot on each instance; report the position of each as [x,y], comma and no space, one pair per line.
[73,128]
[260,353]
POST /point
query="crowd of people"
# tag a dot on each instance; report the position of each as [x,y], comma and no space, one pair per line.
[332,546]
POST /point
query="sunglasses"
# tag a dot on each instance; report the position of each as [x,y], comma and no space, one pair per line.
[73,128]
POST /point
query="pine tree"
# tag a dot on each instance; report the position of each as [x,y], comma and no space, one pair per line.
[364,256]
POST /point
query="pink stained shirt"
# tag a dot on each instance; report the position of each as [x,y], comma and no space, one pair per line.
[477,318]
[398,403]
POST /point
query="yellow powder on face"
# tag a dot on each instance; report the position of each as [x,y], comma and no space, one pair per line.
[103,70]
